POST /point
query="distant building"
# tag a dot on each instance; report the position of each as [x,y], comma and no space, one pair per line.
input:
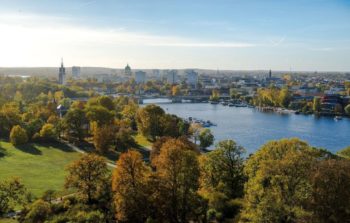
[76,72]
[62,74]
[127,70]
[140,77]
[192,78]
[172,77]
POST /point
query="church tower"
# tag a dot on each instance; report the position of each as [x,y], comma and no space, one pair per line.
[62,74]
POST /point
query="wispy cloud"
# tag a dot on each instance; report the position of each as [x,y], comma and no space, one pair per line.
[277,42]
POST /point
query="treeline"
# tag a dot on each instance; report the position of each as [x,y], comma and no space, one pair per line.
[284,181]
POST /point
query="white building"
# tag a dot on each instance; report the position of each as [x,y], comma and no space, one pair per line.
[76,72]
[172,77]
[140,77]
[192,78]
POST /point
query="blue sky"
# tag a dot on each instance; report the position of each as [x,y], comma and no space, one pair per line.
[215,34]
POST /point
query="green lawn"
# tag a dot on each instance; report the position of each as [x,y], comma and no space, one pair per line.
[143,141]
[7,220]
[41,167]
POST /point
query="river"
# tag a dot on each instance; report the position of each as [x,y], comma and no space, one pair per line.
[251,128]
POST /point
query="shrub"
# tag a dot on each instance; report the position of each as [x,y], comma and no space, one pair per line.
[18,135]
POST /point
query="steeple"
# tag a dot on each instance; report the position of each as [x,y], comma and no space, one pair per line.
[62,74]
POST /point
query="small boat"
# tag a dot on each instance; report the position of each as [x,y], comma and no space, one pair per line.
[231,104]
[224,103]
[338,118]
[214,102]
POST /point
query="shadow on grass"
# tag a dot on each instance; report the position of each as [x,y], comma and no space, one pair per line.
[112,155]
[29,148]
[2,152]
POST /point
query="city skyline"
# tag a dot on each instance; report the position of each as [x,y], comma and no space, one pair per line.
[228,35]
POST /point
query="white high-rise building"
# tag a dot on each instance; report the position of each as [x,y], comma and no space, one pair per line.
[140,77]
[76,72]
[192,78]
[172,77]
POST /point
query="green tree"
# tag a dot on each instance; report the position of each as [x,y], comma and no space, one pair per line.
[12,193]
[88,175]
[38,212]
[149,121]
[278,187]
[100,114]
[206,138]
[129,183]
[18,135]
[284,98]
[74,123]
[222,177]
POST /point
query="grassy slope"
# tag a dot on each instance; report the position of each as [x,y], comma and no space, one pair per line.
[143,141]
[41,167]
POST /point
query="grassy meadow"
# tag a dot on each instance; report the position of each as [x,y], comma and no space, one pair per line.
[40,166]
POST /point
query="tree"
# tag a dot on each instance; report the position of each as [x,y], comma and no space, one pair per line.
[102,137]
[222,177]
[129,183]
[100,115]
[18,135]
[317,104]
[206,138]
[87,175]
[12,193]
[48,132]
[330,181]
[148,121]
[278,187]
[195,130]
[284,98]
[123,139]
[347,109]
[39,212]
[177,175]
[74,122]
[215,95]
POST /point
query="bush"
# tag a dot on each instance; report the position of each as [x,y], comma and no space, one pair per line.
[18,135]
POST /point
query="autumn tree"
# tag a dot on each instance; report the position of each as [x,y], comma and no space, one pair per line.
[102,136]
[177,173]
[278,187]
[222,176]
[48,132]
[206,138]
[18,136]
[129,184]
[38,212]
[317,104]
[330,181]
[149,121]
[284,98]
[88,175]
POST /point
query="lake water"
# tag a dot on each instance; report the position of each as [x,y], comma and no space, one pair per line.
[251,128]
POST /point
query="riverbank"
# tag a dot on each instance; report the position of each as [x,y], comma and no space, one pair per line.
[252,128]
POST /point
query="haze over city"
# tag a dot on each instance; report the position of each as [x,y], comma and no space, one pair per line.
[311,35]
